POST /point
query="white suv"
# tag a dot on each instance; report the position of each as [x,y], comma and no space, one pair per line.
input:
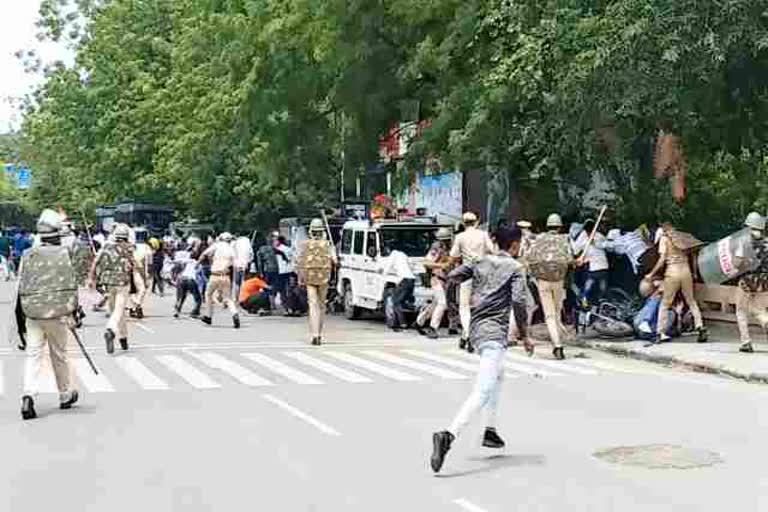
[361,283]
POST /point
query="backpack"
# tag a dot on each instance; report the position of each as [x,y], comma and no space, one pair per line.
[549,257]
[115,265]
[315,262]
[48,284]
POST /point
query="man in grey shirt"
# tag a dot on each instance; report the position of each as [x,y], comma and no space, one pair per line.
[498,289]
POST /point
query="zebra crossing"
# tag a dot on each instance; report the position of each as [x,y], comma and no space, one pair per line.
[210,370]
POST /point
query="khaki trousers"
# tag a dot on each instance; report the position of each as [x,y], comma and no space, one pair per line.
[745,306]
[465,307]
[552,294]
[219,290]
[316,298]
[137,299]
[678,278]
[435,311]
[118,300]
[53,335]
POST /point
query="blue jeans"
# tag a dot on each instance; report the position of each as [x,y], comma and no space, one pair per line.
[599,280]
[486,391]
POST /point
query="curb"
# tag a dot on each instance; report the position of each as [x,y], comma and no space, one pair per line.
[615,348]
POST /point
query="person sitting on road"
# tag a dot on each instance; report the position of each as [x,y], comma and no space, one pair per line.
[645,321]
[254,296]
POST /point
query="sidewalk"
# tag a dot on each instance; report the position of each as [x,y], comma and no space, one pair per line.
[720,355]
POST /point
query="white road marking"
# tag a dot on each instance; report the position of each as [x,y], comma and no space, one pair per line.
[327,367]
[528,370]
[283,369]
[416,365]
[562,366]
[92,382]
[468,505]
[235,370]
[189,373]
[143,327]
[374,367]
[142,375]
[322,427]
[2,379]
[470,367]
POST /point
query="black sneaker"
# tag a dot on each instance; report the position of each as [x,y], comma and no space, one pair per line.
[559,353]
[432,334]
[139,312]
[463,342]
[176,314]
[109,339]
[67,404]
[236,320]
[421,329]
[747,348]
[316,341]
[703,335]
[397,328]
[491,439]
[207,320]
[441,443]
[124,343]
[28,408]
[470,347]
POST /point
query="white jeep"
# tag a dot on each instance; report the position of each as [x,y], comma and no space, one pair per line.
[361,283]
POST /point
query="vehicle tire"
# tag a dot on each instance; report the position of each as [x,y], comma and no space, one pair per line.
[351,312]
[389,308]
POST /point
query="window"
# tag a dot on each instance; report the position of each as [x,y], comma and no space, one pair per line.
[359,239]
[370,247]
[346,242]
[412,242]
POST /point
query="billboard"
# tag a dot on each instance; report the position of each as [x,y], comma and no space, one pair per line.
[19,175]
[440,194]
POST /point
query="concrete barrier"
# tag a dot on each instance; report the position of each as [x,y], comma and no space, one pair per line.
[718,302]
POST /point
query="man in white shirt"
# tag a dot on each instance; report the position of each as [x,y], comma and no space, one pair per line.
[219,287]
[243,258]
[597,264]
[468,248]
[187,283]
[396,269]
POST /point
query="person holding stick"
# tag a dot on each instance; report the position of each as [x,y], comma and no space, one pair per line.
[48,295]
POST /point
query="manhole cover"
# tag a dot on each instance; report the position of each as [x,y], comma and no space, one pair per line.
[659,456]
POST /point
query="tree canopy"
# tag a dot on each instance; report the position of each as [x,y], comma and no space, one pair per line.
[241,111]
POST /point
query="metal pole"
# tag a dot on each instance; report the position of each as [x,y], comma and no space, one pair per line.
[82,348]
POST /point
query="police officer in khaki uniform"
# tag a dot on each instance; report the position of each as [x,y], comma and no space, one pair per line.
[113,269]
[753,282]
[48,294]
[315,261]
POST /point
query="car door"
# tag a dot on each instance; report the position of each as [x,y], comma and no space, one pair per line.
[373,278]
[357,266]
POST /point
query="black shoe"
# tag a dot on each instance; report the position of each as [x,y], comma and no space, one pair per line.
[453,332]
[421,330]
[28,408]
[441,443]
[207,320]
[432,334]
[195,314]
[175,314]
[22,342]
[470,347]
[236,320]
[491,439]
[139,312]
[463,342]
[316,341]
[124,343]
[397,328]
[559,353]
[703,335]
[69,403]
[747,348]
[109,338]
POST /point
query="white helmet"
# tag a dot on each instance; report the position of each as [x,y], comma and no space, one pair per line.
[121,232]
[554,221]
[755,221]
[49,224]
[443,234]
[225,236]
[316,225]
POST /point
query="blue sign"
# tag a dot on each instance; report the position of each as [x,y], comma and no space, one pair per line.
[18,175]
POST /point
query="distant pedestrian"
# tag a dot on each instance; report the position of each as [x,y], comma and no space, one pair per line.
[243,260]
[397,269]
[266,259]
[284,255]
[498,289]
[158,261]
[315,262]
[219,287]
[187,282]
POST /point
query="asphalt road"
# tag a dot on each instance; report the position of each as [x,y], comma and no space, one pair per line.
[196,418]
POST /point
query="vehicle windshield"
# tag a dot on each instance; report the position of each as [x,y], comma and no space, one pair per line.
[412,242]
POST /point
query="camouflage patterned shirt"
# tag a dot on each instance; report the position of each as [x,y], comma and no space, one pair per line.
[114,264]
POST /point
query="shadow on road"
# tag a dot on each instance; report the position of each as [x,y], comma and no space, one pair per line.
[496,462]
